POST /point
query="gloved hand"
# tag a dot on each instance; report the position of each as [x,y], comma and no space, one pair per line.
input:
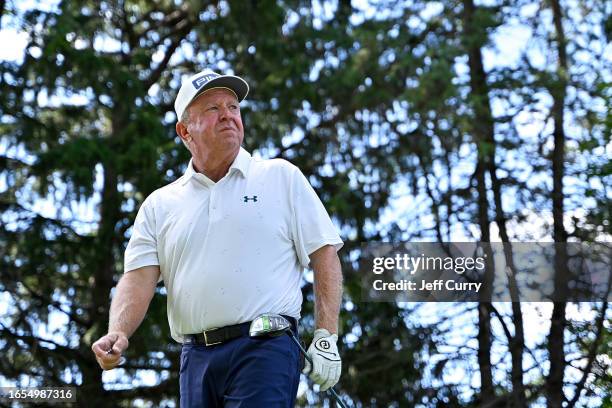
[325,358]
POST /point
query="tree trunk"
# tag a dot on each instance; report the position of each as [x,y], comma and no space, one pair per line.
[556,339]
[483,125]
[517,341]
[484,131]
[104,273]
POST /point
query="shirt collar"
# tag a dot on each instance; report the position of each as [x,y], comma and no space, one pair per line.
[241,164]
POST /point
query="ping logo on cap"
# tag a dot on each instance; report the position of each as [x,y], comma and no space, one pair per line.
[202,80]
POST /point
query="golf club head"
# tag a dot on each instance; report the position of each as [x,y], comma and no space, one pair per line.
[269,325]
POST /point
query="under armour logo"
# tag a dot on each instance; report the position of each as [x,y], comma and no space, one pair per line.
[247,199]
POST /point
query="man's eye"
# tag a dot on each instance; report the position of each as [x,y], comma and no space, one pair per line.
[212,108]
[233,107]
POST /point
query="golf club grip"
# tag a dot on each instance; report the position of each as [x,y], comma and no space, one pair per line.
[331,390]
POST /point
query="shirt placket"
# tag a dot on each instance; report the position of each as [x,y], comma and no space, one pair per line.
[214,205]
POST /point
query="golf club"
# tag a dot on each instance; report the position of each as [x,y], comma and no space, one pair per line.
[273,325]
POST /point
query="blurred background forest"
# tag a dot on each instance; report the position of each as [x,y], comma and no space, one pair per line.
[456,120]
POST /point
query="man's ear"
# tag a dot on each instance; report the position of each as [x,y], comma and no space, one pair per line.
[182,131]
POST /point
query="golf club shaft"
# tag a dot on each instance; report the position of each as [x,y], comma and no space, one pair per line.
[331,389]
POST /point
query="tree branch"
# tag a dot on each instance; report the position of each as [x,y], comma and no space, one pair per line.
[181,32]
[34,341]
[57,305]
[591,355]
[503,323]
[2,6]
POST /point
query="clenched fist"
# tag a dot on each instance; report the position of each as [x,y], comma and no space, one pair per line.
[108,349]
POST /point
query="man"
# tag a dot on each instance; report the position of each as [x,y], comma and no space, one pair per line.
[230,239]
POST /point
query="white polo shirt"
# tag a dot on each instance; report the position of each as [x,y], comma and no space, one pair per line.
[231,250]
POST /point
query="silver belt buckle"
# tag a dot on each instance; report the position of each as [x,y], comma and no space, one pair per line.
[206,338]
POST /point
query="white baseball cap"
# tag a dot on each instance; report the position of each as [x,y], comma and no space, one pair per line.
[203,81]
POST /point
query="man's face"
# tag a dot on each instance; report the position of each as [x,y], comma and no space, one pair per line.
[215,124]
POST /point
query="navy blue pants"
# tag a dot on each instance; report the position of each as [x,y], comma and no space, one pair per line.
[241,373]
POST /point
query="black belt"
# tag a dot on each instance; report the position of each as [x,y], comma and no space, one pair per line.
[220,335]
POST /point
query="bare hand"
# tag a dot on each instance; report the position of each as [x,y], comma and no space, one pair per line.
[108,349]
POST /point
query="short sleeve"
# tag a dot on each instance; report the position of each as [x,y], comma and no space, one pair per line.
[312,228]
[142,247]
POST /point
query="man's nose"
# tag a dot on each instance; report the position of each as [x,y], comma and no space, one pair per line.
[224,112]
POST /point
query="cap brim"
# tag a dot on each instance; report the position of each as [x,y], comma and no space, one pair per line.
[236,84]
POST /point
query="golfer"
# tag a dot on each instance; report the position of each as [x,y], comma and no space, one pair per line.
[230,240]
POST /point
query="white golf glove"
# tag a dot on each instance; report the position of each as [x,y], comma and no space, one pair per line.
[325,358]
